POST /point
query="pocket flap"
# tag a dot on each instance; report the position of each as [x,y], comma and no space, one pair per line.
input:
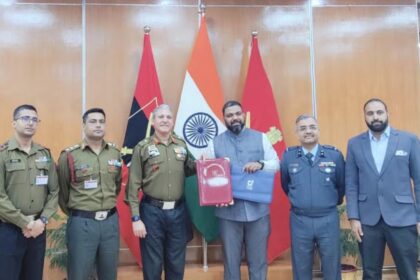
[362,197]
[294,169]
[15,166]
[42,165]
[404,199]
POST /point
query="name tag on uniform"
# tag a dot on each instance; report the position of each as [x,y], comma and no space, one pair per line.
[91,184]
[41,180]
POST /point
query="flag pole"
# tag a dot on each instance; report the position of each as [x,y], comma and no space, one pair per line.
[202,12]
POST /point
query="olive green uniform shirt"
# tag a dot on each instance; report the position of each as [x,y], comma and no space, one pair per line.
[158,170]
[28,183]
[89,181]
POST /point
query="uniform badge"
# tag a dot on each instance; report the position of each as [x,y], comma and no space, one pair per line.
[180,152]
[153,151]
[114,162]
[42,159]
[327,164]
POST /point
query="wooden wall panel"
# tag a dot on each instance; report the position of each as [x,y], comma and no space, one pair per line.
[114,49]
[363,2]
[283,33]
[40,54]
[360,53]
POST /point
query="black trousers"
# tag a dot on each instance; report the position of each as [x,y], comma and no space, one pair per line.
[402,242]
[165,244]
[21,258]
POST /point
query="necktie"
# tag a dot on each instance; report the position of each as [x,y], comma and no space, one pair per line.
[309,157]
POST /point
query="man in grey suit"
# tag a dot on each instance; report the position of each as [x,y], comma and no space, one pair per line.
[244,222]
[380,199]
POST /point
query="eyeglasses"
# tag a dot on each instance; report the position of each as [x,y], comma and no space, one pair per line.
[28,119]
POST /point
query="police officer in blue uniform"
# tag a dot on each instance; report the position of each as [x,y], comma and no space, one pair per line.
[312,177]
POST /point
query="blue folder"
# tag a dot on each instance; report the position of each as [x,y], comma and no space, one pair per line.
[256,187]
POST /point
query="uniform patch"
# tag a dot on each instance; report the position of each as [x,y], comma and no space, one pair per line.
[181,153]
[153,151]
[42,159]
[14,160]
[327,164]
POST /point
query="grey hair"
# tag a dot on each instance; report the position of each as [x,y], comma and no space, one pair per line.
[160,108]
[304,117]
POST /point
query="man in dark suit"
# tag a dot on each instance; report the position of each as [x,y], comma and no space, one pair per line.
[380,199]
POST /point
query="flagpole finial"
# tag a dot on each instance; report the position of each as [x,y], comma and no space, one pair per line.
[254,33]
[202,9]
[147,29]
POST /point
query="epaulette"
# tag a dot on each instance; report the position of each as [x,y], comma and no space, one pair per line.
[293,148]
[72,148]
[329,147]
[4,146]
[112,145]
[143,142]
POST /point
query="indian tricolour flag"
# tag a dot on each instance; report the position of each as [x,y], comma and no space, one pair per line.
[199,120]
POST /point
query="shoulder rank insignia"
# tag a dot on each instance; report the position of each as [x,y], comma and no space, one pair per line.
[4,146]
[111,144]
[329,147]
[72,148]
[292,148]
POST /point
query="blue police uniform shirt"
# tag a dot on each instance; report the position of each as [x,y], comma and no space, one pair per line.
[319,186]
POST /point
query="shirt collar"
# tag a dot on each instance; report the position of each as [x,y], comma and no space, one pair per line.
[84,145]
[314,151]
[386,133]
[156,140]
[14,145]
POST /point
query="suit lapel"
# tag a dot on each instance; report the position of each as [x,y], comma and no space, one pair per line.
[367,151]
[390,150]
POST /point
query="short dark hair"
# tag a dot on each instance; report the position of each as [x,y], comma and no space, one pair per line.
[375,100]
[23,107]
[92,110]
[230,103]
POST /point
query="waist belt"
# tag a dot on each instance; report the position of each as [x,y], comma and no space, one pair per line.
[162,204]
[313,212]
[95,215]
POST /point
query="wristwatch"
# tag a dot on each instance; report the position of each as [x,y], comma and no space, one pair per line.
[135,218]
[262,164]
[44,220]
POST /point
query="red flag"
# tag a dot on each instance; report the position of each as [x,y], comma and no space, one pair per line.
[258,99]
[147,97]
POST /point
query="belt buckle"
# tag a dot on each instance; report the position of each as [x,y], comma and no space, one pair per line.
[168,205]
[101,215]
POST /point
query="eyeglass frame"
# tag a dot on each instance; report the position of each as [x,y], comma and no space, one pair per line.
[28,119]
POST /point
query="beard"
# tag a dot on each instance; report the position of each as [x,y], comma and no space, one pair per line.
[378,126]
[236,127]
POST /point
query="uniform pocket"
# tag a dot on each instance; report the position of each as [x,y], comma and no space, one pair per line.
[42,165]
[327,175]
[405,199]
[15,166]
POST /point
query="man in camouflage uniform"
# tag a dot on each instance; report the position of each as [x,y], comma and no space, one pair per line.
[158,167]
[28,198]
[90,177]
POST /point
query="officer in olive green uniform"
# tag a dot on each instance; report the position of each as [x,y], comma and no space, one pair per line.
[28,198]
[158,167]
[90,177]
